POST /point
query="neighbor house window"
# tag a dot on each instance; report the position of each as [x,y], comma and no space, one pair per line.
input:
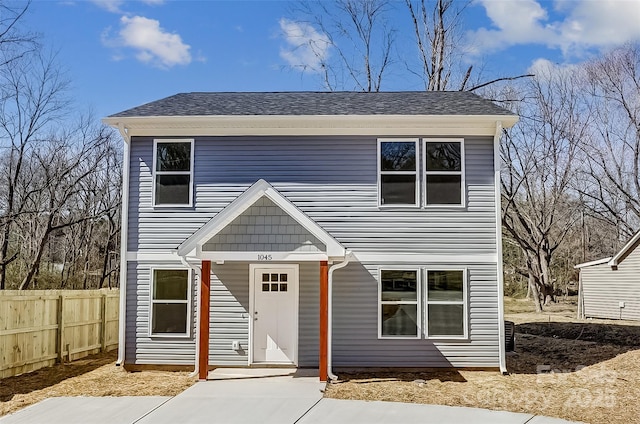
[173,172]
[170,302]
[446,304]
[398,302]
[444,172]
[398,172]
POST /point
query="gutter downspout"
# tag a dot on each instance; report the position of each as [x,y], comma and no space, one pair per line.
[497,161]
[124,227]
[198,272]
[347,258]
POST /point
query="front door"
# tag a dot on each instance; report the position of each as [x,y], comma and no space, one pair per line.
[275,314]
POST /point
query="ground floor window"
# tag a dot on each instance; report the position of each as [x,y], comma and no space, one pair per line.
[399,306]
[170,302]
[445,303]
[400,303]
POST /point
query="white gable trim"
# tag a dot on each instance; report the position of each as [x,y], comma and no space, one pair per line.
[625,250]
[193,245]
[592,263]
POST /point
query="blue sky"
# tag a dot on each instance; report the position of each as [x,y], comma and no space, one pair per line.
[120,54]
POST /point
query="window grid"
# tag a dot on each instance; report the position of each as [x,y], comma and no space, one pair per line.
[415,173]
[417,302]
[157,173]
[462,302]
[427,172]
[154,301]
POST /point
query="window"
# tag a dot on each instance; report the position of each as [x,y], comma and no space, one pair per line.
[398,304]
[173,172]
[170,302]
[444,176]
[446,304]
[398,172]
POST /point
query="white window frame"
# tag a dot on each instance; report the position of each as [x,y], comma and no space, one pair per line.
[155,173]
[417,302]
[152,302]
[416,141]
[464,303]
[463,190]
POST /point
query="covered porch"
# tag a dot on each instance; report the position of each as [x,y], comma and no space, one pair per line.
[264,291]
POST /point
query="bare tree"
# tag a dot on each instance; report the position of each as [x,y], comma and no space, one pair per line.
[438,41]
[69,164]
[359,33]
[541,155]
[32,96]
[611,178]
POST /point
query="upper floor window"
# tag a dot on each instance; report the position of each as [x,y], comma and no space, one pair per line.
[398,178]
[444,172]
[173,172]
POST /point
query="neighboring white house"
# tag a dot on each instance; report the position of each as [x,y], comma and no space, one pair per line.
[312,230]
[610,287]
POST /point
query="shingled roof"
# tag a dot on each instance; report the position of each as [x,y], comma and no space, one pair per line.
[318,103]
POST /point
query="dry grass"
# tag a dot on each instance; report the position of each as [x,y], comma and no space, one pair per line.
[577,370]
[93,376]
[595,378]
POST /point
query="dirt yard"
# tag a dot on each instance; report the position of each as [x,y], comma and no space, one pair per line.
[93,376]
[578,370]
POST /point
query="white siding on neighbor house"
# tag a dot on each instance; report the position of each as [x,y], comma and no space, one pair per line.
[333,180]
[356,342]
[264,227]
[230,314]
[140,347]
[603,289]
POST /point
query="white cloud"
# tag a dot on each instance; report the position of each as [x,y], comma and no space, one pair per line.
[109,5]
[114,5]
[586,24]
[306,48]
[151,43]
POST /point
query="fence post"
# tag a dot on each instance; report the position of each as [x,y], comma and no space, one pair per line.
[61,329]
[103,323]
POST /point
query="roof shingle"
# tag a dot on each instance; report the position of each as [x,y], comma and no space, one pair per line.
[318,103]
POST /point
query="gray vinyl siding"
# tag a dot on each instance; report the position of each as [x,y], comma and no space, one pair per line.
[333,180]
[141,348]
[230,316]
[264,227]
[355,323]
[603,289]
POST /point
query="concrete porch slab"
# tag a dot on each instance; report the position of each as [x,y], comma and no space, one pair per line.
[238,373]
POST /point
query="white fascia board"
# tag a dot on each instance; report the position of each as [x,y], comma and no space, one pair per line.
[592,263]
[623,252]
[270,125]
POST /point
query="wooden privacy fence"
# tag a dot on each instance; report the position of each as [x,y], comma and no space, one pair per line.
[40,327]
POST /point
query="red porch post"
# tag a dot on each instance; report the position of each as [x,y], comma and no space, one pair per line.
[205,288]
[324,318]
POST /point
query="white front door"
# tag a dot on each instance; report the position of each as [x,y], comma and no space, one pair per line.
[275,314]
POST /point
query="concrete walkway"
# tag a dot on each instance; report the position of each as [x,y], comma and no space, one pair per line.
[232,397]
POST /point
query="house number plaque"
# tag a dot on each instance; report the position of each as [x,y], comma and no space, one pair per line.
[264,257]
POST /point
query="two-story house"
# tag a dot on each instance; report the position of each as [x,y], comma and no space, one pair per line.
[306,229]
